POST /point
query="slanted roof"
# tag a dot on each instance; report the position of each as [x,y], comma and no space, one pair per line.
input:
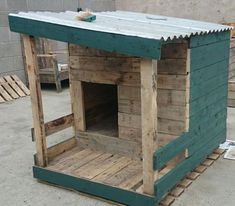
[130,33]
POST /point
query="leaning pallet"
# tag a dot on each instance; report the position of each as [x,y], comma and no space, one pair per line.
[11,87]
[149,105]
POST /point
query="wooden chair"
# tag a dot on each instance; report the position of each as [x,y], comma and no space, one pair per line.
[49,71]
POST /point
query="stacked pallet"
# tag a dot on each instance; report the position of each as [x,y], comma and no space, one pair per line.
[11,87]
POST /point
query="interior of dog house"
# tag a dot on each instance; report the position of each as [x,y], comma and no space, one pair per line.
[148,99]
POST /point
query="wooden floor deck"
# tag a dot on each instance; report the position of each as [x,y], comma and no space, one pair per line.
[98,166]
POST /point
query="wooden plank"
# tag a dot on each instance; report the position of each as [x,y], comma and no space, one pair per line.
[77,50]
[129,133]
[61,148]
[172,97]
[200,40]
[174,51]
[200,169]
[94,188]
[128,64]
[208,162]
[20,84]
[110,172]
[78,107]
[91,171]
[185,183]
[213,156]
[14,86]
[167,201]
[133,46]
[129,92]
[231,102]
[36,98]
[106,77]
[59,124]
[132,181]
[129,120]
[4,94]
[149,82]
[219,151]
[209,54]
[176,192]
[172,66]
[129,106]
[193,175]
[110,144]
[172,81]
[8,88]
[173,127]
[128,172]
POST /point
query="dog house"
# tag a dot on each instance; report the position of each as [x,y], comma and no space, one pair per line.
[148,96]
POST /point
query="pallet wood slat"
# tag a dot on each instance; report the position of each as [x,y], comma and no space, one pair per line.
[8,88]
[14,86]
[11,87]
[37,108]
[5,94]
[20,84]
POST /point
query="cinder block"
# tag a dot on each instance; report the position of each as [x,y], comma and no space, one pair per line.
[70,5]
[6,64]
[9,49]
[98,5]
[17,5]
[4,34]
[3,5]
[45,5]
[4,19]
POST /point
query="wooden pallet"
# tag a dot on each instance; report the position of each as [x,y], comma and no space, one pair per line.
[185,183]
[11,87]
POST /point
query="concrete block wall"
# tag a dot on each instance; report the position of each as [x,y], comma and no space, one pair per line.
[218,11]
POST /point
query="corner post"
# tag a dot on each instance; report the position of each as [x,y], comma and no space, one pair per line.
[36,99]
[148,120]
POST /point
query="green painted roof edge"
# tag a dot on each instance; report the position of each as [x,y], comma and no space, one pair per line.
[128,45]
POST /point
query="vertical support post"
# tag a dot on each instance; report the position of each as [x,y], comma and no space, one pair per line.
[77,98]
[36,99]
[148,120]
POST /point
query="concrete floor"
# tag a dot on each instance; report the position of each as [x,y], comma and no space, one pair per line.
[216,186]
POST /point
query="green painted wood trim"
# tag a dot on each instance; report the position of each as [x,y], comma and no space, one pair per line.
[207,87]
[209,72]
[204,101]
[93,188]
[168,181]
[199,40]
[129,45]
[209,54]
[189,140]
